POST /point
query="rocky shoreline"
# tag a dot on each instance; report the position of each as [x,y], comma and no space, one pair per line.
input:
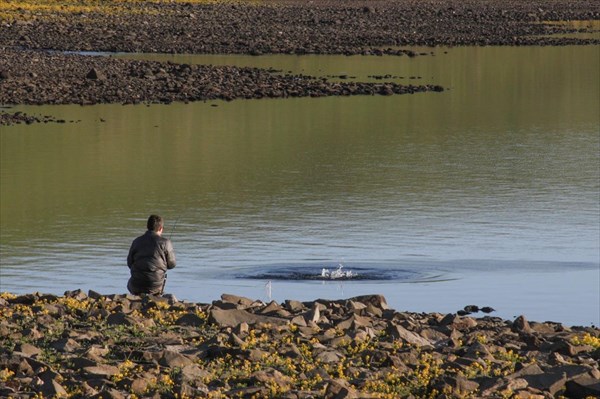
[291,26]
[34,68]
[32,77]
[122,346]
[18,117]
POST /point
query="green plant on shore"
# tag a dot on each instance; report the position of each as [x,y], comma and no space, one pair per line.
[586,339]
[275,358]
[51,356]
[126,370]
[6,375]
[163,384]
[477,369]
[417,381]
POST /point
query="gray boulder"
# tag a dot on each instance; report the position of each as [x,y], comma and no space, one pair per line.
[233,317]
[583,387]
[399,332]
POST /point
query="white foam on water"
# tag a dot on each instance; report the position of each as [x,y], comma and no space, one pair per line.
[337,273]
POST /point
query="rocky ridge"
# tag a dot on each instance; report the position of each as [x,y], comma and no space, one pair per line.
[19,117]
[31,77]
[120,346]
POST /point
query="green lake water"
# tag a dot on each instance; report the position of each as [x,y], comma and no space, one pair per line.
[486,193]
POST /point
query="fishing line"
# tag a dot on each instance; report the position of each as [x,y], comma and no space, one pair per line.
[174,227]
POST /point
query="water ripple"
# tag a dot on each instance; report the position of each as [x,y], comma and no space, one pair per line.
[348,272]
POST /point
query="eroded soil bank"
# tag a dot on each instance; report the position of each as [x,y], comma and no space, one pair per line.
[112,346]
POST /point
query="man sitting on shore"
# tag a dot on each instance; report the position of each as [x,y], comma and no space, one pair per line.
[150,256]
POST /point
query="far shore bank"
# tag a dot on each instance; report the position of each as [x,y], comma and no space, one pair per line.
[124,346]
[40,45]
[291,26]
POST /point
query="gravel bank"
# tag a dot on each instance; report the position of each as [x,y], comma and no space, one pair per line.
[29,77]
[297,27]
[117,346]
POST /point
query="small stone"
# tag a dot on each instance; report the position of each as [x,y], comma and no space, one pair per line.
[28,349]
[52,389]
[471,308]
[108,393]
[549,382]
[190,319]
[66,345]
[354,322]
[76,294]
[119,319]
[139,385]
[572,371]
[526,394]
[272,307]
[270,376]
[174,359]
[583,387]
[238,300]
[340,389]
[94,74]
[94,295]
[101,371]
[96,353]
[192,372]
[531,369]
[82,362]
[516,385]
[241,329]
[329,356]
[399,332]
[376,300]
[313,315]
[356,306]
[460,385]
[248,392]
[521,325]
[233,317]
[294,306]
[299,321]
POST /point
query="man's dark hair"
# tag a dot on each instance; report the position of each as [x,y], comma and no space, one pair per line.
[155,222]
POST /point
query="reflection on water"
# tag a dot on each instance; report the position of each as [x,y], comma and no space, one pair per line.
[502,166]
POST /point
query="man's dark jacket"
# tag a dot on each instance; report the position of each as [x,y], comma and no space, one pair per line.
[149,258]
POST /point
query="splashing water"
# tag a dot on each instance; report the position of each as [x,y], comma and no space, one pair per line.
[337,273]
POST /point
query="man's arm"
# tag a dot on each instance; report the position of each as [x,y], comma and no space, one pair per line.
[130,257]
[170,255]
